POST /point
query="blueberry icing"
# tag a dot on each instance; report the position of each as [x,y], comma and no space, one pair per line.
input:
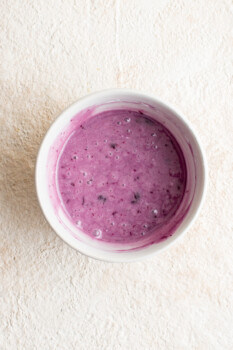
[121,176]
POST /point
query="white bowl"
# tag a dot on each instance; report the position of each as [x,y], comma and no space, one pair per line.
[49,154]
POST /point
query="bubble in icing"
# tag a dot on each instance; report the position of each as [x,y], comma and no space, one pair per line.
[97,233]
[79,223]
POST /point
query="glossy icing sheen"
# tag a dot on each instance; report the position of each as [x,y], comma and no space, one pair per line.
[121,176]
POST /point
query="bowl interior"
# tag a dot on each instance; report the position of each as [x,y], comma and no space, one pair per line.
[53,143]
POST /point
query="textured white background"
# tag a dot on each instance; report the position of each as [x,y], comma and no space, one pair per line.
[52,53]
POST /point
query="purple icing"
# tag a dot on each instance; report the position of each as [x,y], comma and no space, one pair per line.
[121,177]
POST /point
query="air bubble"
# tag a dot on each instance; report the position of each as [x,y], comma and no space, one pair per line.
[127,120]
[75,157]
[105,140]
[154,134]
[155,147]
[84,173]
[110,154]
[118,123]
[155,212]
[129,131]
[145,226]
[79,223]
[117,157]
[97,233]
[112,223]
[143,233]
[89,182]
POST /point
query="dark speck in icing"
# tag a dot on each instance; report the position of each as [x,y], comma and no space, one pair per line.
[121,176]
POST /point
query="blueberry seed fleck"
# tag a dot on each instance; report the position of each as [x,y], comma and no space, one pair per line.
[102,198]
[136,198]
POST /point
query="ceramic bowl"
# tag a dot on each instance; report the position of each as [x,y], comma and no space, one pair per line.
[54,140]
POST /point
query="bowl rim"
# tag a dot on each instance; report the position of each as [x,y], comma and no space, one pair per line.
[168,243]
